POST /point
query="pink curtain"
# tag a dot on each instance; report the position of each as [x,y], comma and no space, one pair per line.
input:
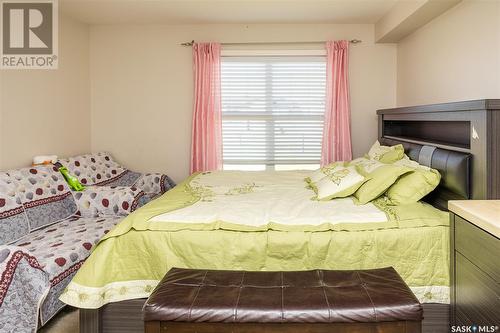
[206,144]
[336,144]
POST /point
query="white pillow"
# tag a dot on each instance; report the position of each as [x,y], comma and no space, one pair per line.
[338,183]
[317,175]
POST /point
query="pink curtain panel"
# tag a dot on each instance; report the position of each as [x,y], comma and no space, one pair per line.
[206,145]
[337,130]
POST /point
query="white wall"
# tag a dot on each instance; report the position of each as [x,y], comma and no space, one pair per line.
[47,111]
[455,57]
[142,86]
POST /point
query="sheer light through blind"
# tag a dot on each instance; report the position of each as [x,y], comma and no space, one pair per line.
[272,111]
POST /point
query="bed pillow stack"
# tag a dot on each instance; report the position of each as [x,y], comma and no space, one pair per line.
[385,170]
[380,177]
[407,180]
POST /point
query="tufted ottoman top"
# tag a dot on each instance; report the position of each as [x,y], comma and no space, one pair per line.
[317,296]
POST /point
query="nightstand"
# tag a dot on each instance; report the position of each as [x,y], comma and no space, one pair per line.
[475,262]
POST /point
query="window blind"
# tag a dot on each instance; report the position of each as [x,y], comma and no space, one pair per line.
[272,110]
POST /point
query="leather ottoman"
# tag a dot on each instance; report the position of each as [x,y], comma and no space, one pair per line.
[191,300]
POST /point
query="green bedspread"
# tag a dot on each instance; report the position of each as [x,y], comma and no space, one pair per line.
[133,257]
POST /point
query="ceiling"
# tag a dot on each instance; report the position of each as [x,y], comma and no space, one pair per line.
[228,11]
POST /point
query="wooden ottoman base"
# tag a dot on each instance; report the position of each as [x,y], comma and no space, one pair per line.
[126,317]
[382,327]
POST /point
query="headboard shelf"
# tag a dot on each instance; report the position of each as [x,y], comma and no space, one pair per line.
[449,133]
[431,143]
[469,128]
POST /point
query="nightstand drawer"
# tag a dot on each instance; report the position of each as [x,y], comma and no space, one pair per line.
[477,295]
[480,247]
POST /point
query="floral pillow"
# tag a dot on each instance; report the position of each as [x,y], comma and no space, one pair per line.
[339,182]
[45,195]
[98,201]
[385,154]
[322,172]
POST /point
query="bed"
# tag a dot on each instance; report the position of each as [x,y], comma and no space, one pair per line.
[214,221]
[209,221]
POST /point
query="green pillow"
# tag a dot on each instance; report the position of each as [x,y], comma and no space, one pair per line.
[413,186]
[380,177]
[386,154]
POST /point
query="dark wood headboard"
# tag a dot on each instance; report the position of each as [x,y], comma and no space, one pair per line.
[461,140]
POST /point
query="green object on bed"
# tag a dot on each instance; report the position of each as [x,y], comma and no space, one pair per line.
[72,181]
[133,257]
[413,186]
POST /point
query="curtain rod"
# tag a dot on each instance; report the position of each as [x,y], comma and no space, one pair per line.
[352,41]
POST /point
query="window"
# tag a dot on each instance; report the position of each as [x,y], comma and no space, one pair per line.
[272,112]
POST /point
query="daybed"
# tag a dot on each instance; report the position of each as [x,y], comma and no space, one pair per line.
[47,230]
